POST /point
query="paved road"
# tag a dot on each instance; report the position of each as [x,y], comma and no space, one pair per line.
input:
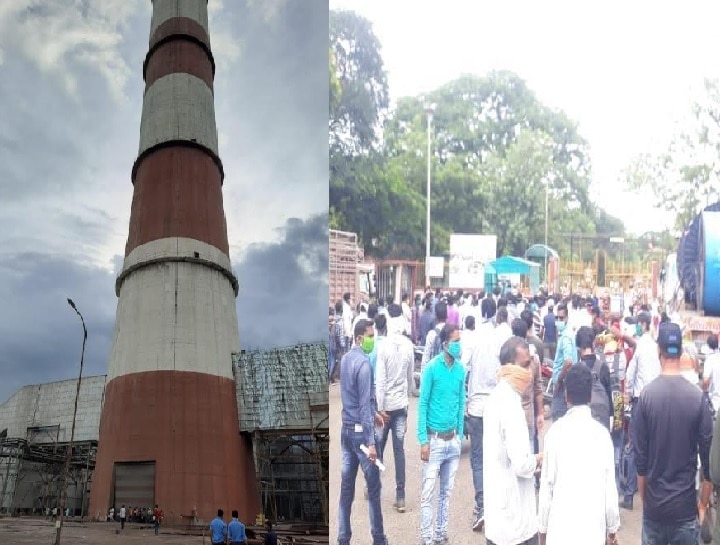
[403,528]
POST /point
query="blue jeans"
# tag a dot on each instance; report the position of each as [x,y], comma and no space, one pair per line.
[352,458]
[678,533]
[444,461]
[398,426]
[475,431]
[559,405]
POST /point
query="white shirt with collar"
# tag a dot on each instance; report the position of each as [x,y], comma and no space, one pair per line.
[482,365]
[579,462]
[644,366]
[394,372]
[508,469]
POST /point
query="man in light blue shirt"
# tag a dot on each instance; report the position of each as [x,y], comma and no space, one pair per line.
[565,357]
[218,529]
[441,415]
[236,530]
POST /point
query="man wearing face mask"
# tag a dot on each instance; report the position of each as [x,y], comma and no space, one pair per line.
[643,368]
[441,410]
[565,356]
[358,428]
[508,462]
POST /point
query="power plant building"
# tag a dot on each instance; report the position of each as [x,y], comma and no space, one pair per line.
[282,395]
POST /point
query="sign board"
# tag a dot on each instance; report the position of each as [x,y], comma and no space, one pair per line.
[468,256]
[436,267]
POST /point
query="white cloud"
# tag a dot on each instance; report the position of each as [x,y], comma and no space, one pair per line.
[54,36]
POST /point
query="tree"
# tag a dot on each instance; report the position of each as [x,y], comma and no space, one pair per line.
[685,178]
[495,149]
[364,96]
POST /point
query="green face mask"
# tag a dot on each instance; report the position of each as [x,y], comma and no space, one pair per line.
[368,344]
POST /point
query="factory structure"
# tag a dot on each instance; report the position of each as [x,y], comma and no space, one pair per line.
[281,405]
[184,418]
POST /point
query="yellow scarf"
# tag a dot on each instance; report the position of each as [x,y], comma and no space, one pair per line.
[518,377]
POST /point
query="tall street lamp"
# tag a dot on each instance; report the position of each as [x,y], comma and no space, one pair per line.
[68,455]
[429,110]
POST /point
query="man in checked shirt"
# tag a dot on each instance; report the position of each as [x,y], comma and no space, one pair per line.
[358,429]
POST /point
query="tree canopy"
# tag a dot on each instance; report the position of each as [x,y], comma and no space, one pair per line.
[686,176]
[495,151]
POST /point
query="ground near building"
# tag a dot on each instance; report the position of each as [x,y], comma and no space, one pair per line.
[403,528]
[33,530]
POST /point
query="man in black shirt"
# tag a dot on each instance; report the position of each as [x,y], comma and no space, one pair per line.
[672,424]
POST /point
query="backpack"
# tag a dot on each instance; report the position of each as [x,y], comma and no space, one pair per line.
[599,403]
[437,344]
[618,408]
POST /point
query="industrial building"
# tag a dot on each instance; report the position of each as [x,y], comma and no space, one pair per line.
[282,406]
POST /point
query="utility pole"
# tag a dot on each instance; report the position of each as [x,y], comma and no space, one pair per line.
[429,109]
[68,454]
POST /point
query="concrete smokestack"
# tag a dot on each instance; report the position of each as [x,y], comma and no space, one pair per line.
[169,428]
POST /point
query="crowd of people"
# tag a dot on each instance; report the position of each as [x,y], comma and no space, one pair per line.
[631,414]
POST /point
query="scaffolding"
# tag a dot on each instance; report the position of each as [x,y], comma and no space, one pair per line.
[344,259]
[283,406]
[32,470]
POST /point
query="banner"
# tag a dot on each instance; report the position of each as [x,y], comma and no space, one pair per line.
[468,256]
[436,267]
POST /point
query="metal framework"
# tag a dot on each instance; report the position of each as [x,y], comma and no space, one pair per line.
[283,402]
[40,456]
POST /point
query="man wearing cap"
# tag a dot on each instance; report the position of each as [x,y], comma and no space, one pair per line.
[643,368]
[671,424]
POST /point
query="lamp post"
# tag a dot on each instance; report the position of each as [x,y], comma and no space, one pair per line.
[429,110]
[68,455]
[547,210]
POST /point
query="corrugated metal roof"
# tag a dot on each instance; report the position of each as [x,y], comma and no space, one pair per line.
[284,389]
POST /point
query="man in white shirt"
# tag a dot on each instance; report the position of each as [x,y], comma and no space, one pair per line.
[643,368]
[503,331]
[347,318]
[711,371]
[579,462]
[393,381]
[482,365]
[508,464]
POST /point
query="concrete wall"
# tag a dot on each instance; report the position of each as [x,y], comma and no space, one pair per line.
[52,404]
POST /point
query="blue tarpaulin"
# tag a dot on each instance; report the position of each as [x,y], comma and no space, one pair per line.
[514,265]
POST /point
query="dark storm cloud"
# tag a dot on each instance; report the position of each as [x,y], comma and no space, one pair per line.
[283,287]
[41,335]
[279,89]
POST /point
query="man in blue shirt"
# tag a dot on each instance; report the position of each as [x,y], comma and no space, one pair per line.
[441,415]
[236,530]
[565,357]
[549,331]
[358,430]
[218,529]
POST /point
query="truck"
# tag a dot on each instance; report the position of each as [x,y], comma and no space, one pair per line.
[690,278]
[348,273]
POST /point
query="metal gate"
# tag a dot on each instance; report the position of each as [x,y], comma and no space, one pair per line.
[134,484]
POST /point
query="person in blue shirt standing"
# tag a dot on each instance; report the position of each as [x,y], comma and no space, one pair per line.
[441,415]
[218,528]
[236,530]
[358,430]
[565,357]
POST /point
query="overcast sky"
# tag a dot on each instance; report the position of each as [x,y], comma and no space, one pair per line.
[627,72]
[70,101]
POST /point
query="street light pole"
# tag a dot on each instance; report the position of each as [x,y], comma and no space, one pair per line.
[68,455]
[547,208]
[429,111]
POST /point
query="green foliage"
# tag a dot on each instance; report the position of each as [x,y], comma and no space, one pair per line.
[496,152]
[685,178]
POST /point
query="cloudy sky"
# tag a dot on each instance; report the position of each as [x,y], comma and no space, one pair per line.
[70,101]
[627,72]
